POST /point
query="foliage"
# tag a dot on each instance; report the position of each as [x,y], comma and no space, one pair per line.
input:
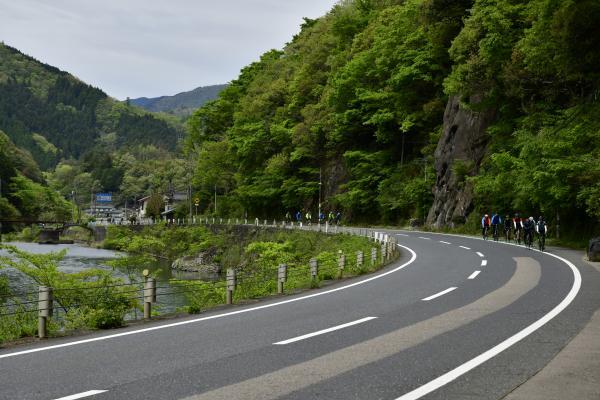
[93,293]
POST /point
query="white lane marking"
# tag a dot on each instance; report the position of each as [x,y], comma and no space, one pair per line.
[321,332]
[480,254]
[243,311]
[441,241]
[443,292]
[494,351]
[474,274]
[483,263]
[465,247]
[426,238]
[401,234]
[82,395]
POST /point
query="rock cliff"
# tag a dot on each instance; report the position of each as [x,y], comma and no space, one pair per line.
[459,153]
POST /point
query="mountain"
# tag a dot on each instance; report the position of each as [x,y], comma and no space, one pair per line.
[181,104]
[54,115]
[422,110]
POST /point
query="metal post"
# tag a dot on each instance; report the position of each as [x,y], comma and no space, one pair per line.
[45,305]
[383,252]
[149,296]
[341,264]
[231,283]
[281,277]
[373,256]
[359,259]
[314,268]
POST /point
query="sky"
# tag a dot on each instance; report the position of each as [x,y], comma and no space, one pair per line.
[151,48]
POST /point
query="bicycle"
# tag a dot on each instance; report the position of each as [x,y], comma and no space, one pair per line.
[542,241]
[518,236]
[507,235]
[495,232]
[529,240]
[485,232]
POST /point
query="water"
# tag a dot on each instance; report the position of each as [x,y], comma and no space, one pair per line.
[79,258]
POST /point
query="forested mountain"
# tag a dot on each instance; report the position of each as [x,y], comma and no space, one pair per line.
[54,115]
[429,109]
[181,104]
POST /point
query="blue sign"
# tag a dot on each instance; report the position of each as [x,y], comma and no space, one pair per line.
[103,197]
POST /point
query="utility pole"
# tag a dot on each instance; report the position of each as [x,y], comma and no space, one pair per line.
[320,185]
[215,199]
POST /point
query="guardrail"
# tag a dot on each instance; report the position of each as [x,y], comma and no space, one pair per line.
[51,302]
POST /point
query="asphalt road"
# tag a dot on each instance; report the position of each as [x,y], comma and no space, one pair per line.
[430,326]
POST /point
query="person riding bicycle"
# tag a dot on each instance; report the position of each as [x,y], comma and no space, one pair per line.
[518,227]
[507,227]
[541,228]
[528,229]
[485,225]
[308,217]
[496,220]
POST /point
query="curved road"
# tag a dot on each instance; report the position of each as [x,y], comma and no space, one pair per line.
[454,318]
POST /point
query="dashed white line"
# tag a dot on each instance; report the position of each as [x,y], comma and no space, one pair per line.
[474,274]
[82,395]
[443,292]
[401,234]
[465,247]
[441,241]
[483,263]
[321,332]
[480,254]
[426,238]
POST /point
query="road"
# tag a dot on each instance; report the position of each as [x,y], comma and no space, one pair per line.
[454,318]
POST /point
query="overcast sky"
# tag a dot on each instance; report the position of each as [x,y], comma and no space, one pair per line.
[151,48]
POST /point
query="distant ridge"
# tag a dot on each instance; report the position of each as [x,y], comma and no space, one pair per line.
[181,104]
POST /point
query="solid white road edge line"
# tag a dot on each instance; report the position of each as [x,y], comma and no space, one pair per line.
[483,263]
[242,311]
[480,254]
[82,395]
[494,351]
[474,274]
[443,292]
[465,247]
[323,331]
[441,241]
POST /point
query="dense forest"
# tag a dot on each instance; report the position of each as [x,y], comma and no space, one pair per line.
[363,99]
[53,115]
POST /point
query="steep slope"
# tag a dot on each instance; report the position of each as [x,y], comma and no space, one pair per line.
[498,101]
[54,115]
[181,104]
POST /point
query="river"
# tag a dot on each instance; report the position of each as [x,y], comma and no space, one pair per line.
[79,258]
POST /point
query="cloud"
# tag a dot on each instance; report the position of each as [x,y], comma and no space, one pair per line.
[149,47]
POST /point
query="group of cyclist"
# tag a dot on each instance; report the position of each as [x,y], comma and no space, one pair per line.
[334,217]
[524,229]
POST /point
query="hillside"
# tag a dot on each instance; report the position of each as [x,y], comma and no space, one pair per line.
[425,109]
[54,115]
[181,104]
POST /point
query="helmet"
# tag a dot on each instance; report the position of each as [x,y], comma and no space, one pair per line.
[531,218]
[486,215]
[541,218]
[517,215]
[507,217]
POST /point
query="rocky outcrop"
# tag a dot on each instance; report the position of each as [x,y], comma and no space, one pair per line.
[594,249]
[203,264]
[459,153]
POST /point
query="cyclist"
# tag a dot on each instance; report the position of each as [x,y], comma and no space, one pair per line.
[308,218]
[331,217]
[485,226]
[541,228]
[518,226]
[288,217]
[507,228]
[299,217]
[496,220]
[528,229]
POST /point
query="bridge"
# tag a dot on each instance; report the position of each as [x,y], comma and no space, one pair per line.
[51,235]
